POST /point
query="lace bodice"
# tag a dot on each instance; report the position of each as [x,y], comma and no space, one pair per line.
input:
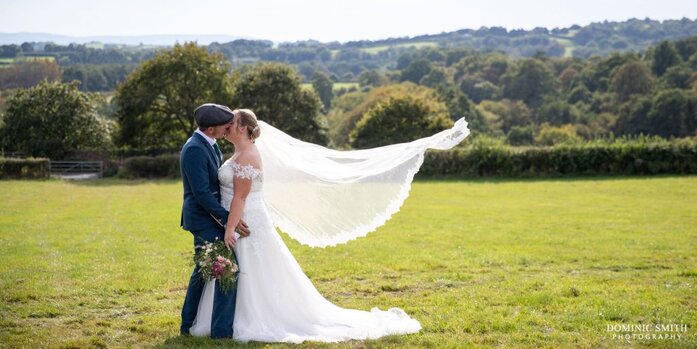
[231,169]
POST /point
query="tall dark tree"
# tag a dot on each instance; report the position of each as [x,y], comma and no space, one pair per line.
[633,117]
[157,101]
[416,70]
[677,76]
[631,78]
[323,86]
[529,81]
[669,116]
[664,56]
[273,91]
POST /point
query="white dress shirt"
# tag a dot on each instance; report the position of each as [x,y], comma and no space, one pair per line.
[210,140]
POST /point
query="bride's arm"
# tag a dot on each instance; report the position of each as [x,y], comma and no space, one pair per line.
[242,188]
[242,182]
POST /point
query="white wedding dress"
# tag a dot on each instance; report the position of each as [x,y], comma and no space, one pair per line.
[320,197]
[276,301]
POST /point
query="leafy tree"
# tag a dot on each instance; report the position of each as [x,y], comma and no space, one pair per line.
[478,90]
[26,47]
[455,55]
[507,113]
[9,51]
[273,91]
[398,120]
[52,120]
[664,56]
[350,108]
[372,78]
[677,76]
[323,86]
[631,78]
[404,61]
[416,70]
[29,73]
[567,78]
[521,135]
[598,71]
[633,117]
[578,94]
[552,135]
[557,113]
[436,77]
[493,68]
[157,101]
[529,81]
[670,114]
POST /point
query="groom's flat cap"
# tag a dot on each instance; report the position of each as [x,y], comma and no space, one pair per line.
[210,114]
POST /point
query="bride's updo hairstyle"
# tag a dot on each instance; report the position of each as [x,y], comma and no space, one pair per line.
[249,120]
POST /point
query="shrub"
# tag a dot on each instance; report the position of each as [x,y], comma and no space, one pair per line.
[521,135]
[164,166]
[642,156]
[551,135]
[24,168]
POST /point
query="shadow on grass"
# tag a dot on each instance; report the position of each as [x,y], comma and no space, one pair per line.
[197,342]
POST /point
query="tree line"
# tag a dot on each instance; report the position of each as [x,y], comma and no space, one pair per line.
[100,68]
[540,100]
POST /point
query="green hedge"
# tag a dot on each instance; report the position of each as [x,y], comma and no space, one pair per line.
[24,168]
[622,158]
[490,159]
[164,166]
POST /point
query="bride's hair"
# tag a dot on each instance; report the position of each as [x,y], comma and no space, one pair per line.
[249,120]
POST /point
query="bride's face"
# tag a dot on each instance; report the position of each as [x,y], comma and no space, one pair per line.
[233,132]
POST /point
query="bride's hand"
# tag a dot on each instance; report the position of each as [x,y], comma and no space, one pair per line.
[230,239]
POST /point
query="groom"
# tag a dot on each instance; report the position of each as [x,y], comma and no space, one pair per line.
[202,214]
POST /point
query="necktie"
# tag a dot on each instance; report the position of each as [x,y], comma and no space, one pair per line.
[218,153]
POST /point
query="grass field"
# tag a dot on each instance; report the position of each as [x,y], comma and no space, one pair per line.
[416,45]
[568,46]
[533,263]
[377,49]
[336,86]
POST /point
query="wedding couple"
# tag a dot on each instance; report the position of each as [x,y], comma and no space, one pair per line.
[319,196]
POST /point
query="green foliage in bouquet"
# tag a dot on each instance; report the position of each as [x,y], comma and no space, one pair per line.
[216,261]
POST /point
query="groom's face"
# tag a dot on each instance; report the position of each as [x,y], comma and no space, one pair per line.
[219,131]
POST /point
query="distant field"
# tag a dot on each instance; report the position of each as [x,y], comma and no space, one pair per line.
[10,61]
[486,263]
[568,46]
[377,49]
[336,86]
[418,45]
[6,62]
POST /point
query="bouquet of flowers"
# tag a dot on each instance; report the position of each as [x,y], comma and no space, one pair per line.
[216,261]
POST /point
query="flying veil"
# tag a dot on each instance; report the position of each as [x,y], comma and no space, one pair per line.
[323,197]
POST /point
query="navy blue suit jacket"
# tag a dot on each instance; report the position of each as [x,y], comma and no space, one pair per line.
[199,169]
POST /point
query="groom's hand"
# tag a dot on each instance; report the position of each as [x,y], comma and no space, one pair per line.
[242,229]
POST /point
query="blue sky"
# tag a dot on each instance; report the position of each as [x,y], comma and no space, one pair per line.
[324,20]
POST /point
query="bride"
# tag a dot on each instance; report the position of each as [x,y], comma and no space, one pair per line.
[320,197]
